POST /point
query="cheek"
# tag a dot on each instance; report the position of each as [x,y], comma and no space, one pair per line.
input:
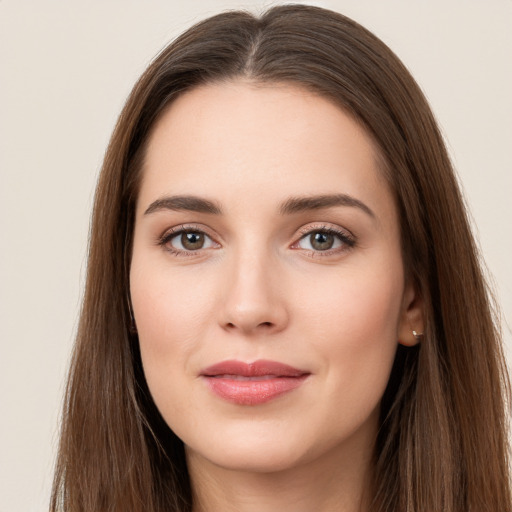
[171,314]
[355,324]
[355,302]
[167,306]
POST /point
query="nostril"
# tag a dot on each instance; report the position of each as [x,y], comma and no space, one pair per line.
[231,325]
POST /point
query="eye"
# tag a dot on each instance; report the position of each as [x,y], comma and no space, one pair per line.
[319,241]
[187,240]
[325,239]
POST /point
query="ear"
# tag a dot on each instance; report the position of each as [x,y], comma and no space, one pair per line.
[411,318]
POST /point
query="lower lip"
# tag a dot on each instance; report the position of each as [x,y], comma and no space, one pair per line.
[252,391]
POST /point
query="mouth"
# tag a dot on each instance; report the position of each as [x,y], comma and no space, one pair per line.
[252,383]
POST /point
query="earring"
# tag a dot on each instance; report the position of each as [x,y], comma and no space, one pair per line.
[417,335]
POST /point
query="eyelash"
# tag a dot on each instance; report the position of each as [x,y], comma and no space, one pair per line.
[164,240]
[347,240]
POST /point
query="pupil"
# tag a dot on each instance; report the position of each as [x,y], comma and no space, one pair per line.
[322,241]
[192,241]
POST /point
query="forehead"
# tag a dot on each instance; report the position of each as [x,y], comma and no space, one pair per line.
[226,140]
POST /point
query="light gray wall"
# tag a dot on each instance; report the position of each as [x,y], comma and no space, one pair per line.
[66,68]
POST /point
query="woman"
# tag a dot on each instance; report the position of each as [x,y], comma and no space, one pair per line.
[284,305]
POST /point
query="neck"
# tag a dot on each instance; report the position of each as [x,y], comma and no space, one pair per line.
[337,483]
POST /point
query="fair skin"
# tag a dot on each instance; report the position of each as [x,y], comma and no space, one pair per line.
[317,286]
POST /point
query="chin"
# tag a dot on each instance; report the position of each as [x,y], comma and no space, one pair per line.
[249,457]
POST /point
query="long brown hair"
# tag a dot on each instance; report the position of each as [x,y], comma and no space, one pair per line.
[442,443]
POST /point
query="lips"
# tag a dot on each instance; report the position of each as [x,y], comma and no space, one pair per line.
[252,383]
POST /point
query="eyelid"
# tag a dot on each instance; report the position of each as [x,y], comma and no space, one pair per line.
[323,226]
[347,238]
[171,233]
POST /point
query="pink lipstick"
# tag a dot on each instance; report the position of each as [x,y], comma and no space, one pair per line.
[252,383]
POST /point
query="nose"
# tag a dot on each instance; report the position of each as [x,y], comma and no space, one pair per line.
[254,298]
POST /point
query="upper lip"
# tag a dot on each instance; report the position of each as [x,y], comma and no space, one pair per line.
[255,369]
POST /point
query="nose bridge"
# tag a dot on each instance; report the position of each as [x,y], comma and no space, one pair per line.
[253,299]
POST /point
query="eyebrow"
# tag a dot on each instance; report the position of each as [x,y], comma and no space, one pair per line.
[187,203]
[290,206]
[301,204]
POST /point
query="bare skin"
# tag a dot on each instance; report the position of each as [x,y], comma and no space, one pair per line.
[266,231]
[323,485]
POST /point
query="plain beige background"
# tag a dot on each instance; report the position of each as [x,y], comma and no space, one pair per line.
[66,68]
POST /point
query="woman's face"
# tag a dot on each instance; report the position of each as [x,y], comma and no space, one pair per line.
[266,234]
